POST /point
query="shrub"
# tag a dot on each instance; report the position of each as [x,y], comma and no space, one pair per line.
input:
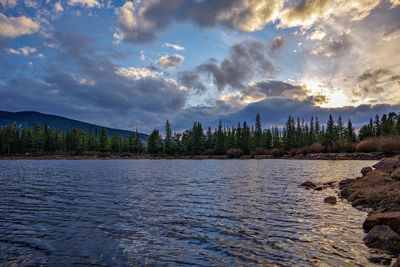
[343,146]
[389,144]
[277,152]
[260,151]
[368,145]
[208,152]
[235,152]
[294,152]
[316,148]
[304,150]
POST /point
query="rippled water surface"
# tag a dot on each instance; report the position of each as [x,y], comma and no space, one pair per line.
[176,212]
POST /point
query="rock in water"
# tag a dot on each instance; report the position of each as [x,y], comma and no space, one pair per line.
[396,174]
[308,184]
[331,200]
[382,237]
[386,165]
[366,170]
[391,219]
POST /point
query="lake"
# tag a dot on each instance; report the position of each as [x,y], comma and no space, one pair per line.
[177,212]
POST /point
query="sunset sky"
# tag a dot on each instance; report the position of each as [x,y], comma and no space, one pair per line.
[129,64]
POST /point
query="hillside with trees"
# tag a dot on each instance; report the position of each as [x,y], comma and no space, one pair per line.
[296,137]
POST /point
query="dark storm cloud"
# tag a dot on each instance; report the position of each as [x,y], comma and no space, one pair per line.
[246,60]
[273,88]
[276,45]
[275,111]
[191,80]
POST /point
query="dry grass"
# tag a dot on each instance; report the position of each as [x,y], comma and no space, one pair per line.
[316,148]
[381,144]
[277,152]
[235,152]
[260,151]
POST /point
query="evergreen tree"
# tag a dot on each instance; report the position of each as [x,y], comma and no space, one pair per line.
[155,145]
[219,140]
[104,142]
[168,139]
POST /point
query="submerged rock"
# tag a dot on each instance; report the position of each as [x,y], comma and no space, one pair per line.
[366,170]
[309,185]
[331,200]
[382,237]
[387,165]
[391,219]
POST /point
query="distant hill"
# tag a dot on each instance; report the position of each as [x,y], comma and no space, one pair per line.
[29,118]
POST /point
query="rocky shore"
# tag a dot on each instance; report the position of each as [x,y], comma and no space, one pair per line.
[378,191]
[106,155]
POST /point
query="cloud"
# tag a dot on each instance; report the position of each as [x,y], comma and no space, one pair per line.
[84,3]
[276,45]
[8,3]
[140,22]
[174,46]
[245,61]
[11,27]
[23,51]
[374,82]
[58,7]
[88,86]
[191,80]
[334,48]
[170,62]
[308,12]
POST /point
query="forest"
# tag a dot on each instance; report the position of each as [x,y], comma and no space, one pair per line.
[381,134]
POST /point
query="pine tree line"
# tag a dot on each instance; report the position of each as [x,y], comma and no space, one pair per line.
[242,139]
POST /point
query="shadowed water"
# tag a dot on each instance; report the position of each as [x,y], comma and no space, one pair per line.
[177,212]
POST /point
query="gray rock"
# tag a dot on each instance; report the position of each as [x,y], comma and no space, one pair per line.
[366,170]
[382,237]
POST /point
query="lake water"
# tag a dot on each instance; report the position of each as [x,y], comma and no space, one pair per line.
[177,212]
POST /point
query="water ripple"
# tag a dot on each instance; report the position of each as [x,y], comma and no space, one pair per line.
[177,212]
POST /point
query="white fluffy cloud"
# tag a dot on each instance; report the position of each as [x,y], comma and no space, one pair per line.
[174,46]
[8,3]
[11,27]
[85,3]
[170,62]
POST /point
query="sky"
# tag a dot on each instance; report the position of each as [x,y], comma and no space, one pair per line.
[135,64]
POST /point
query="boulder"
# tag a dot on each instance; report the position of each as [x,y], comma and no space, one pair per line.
[373,177]
[346,181]
[396,174]
[386,165]
[397,263]
[331,200]
[309,185]
[380,260]
[382,237]
[319,188]
[366,170]
[391,219]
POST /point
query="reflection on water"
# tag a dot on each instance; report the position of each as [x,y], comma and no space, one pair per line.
[177,212]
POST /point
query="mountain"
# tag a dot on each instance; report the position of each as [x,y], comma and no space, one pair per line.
[29,118]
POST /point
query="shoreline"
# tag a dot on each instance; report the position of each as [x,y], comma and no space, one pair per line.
[377,191]
[109,156]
